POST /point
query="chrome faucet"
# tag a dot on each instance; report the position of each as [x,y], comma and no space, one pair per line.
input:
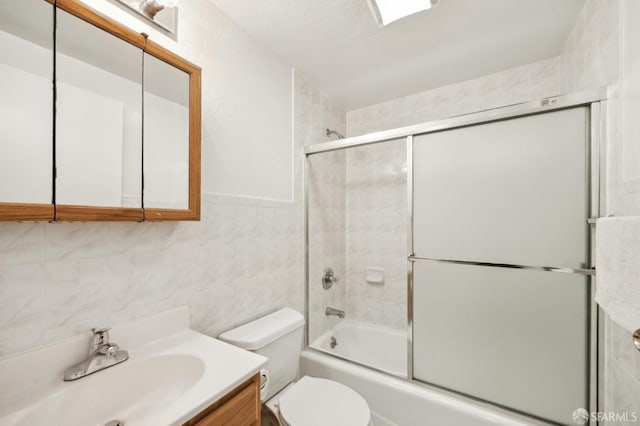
[102,354]
[333,311]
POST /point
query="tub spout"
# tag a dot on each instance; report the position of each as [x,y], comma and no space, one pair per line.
[333,311]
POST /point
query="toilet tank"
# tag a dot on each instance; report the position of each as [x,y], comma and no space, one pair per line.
[278,337]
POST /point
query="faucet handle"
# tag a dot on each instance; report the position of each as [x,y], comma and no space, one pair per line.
[328,278]
[101,332]
[108,350]
[100,337]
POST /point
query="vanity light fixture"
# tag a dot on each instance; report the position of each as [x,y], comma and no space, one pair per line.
[152,7]
[163,13]
[388,11]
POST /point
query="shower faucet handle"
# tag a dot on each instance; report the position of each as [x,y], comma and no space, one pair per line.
[328,278]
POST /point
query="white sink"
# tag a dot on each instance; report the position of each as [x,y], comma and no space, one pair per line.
[172,374]
[126,391]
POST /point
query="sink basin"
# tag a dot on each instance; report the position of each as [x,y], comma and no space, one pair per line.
[173,373]
[123,392]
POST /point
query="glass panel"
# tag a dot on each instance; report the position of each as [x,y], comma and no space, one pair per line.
[99,117]
[518,338]
[166,135]
[358,227]
[513,191]
[26,101]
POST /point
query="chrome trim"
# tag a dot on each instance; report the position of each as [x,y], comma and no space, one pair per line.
[603,211]
[496,114]
[596,209]
[330,311]
[410,252]
[589,272]
[305,203]
[102,354]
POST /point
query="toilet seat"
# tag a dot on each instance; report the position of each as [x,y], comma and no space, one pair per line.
[320,402]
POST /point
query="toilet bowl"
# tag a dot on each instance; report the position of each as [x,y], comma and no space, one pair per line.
[310,401]
[314,402]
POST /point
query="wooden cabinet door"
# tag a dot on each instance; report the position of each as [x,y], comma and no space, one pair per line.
[241,407]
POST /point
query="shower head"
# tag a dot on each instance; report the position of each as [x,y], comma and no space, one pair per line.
[330,133]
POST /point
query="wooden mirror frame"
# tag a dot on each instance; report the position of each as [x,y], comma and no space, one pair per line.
[195,135]
[70,213]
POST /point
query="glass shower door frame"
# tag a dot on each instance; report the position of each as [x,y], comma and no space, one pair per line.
[596,101]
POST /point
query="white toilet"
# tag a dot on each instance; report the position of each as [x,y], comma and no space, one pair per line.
[308,402]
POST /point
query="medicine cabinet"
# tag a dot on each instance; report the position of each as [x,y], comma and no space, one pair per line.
[97,122]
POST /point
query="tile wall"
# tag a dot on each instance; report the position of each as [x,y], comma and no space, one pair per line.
[327,226]
[59,280]
[377,233]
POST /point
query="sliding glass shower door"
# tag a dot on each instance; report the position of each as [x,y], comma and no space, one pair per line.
[501,292]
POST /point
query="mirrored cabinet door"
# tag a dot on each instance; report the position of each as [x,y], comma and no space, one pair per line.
[172,132]
[26,107]
[99,117]
[73,112]
[166,135]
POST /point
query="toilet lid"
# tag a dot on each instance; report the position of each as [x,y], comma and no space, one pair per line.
[320,402]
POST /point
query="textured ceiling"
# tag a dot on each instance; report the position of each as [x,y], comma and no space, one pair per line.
[337,44]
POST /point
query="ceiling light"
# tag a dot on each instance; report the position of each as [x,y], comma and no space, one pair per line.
[387,11]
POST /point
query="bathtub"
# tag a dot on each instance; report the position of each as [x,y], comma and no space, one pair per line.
[376,346]
[395,401]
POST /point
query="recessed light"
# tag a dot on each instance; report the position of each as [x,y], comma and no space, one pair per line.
[388,11]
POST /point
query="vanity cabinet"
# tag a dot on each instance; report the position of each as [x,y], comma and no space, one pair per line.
[98,122]
[240,407]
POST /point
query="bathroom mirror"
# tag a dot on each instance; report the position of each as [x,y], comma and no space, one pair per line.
[166,135]
[171,136]
[26,110]
[81,156]
[98,120]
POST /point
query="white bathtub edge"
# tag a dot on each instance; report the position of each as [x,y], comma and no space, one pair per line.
[401,401]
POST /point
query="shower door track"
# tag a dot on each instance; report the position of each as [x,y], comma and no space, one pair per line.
[596,100]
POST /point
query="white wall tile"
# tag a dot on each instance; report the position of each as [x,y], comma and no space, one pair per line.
[77,240]
[22,307]
[21,243]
